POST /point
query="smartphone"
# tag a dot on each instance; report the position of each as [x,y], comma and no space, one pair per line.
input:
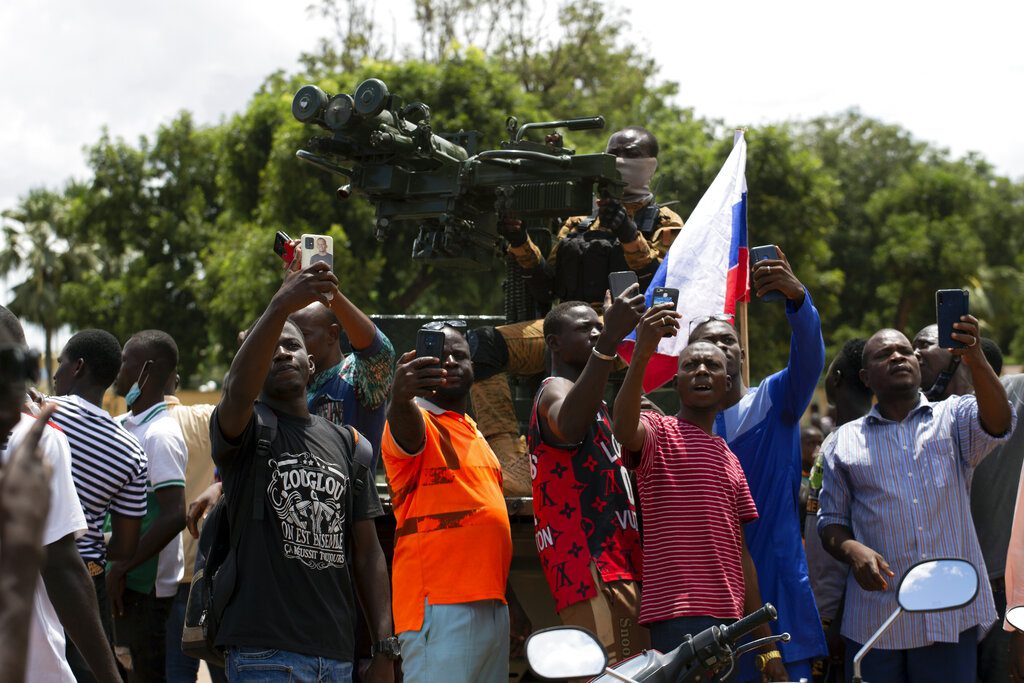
[283,246]
[950,304]
[619,281]
[317,248]
[430,343]
[757,254]
[666,295]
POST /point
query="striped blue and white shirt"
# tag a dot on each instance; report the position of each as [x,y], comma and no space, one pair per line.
[904,490]
[108,465]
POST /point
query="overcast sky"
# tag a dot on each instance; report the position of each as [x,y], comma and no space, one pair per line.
[951,73]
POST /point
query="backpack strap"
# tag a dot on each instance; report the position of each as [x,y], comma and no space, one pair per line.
[362,458]
[266,432]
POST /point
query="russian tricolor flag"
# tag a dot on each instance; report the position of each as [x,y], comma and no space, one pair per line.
[707,263]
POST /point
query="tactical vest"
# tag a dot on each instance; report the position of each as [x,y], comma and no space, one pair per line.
[586,257]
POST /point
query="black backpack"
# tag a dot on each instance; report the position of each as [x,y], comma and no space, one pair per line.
[216,568]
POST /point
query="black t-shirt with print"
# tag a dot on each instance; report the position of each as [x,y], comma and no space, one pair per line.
[294,589]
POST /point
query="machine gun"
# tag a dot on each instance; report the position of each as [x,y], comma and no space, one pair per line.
[440,182]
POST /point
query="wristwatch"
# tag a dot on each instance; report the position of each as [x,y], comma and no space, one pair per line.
[389,647]
[762,660]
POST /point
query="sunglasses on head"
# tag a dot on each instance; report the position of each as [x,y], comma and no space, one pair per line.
[457,325]
[701,320]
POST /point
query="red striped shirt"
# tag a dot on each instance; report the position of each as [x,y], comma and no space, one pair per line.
[694,500]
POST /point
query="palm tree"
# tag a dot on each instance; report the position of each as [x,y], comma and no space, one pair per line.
[36,245]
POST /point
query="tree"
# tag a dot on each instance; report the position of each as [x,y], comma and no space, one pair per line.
[36,246]
[791,203]
[152,208]
[183,220]
[357,36]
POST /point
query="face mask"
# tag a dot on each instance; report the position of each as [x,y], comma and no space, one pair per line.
[133,394]
[943,380]
[637,174]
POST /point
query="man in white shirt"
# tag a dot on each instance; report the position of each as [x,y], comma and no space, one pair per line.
[46,649]
[66,589]
[143,588]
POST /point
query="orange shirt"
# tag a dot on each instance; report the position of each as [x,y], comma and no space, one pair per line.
[453,543]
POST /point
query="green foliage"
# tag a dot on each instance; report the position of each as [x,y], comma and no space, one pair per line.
[175,230]
[151,208]
[35,245]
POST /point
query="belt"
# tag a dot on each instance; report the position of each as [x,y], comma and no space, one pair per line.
[95,568]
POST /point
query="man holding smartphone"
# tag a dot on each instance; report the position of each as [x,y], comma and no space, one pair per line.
[896,491]
[761,425]
[453,543]
[316,547]
[585,517]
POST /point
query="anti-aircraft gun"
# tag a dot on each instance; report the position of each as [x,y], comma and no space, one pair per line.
[440,182]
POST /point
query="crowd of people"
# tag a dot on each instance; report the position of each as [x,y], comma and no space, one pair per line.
[648,526]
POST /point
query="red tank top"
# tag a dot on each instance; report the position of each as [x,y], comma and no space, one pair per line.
[583,510]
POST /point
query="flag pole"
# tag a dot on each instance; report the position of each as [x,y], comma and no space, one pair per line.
[741,317]
[741,306]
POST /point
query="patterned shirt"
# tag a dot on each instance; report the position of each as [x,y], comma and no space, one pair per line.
[903,490]
[355,391]
[583,510]
[109,467]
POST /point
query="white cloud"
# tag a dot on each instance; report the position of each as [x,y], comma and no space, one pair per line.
[950,73]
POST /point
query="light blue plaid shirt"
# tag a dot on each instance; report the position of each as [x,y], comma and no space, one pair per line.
[904,490]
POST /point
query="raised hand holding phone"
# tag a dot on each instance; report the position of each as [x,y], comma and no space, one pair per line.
[773,276]
[661,320]
[665,295]
[950,306]
[621,315]
[765,252]
[619,281]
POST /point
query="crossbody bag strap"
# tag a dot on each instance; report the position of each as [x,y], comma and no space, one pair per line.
[266,432]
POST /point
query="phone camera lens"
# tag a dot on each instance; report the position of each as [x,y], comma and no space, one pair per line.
[309,243]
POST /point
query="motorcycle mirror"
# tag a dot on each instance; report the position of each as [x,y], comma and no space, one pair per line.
[1015,617]
[937,585]
[565,652]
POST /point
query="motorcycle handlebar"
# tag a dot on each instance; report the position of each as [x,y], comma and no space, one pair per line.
[748,623]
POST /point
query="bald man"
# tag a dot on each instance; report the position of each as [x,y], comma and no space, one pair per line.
[881,521]
[352,389]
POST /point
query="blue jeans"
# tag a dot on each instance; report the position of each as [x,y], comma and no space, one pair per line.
[180,667]
[928,664]
[462,643]
[261,665]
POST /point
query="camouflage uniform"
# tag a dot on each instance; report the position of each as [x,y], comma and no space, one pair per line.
[523,342]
